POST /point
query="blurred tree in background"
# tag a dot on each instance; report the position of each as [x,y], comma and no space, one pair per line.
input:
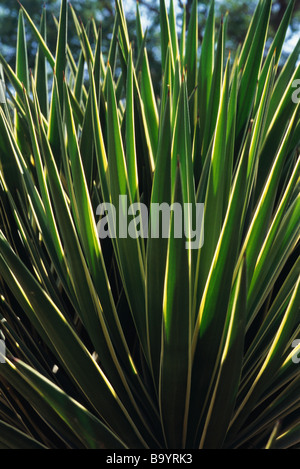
[103,12]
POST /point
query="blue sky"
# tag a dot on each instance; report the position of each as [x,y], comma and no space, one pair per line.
[130,6]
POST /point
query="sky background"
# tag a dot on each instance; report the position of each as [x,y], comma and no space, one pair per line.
[130,6]
[9,17]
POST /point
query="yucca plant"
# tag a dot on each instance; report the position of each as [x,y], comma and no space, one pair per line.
[145,342]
